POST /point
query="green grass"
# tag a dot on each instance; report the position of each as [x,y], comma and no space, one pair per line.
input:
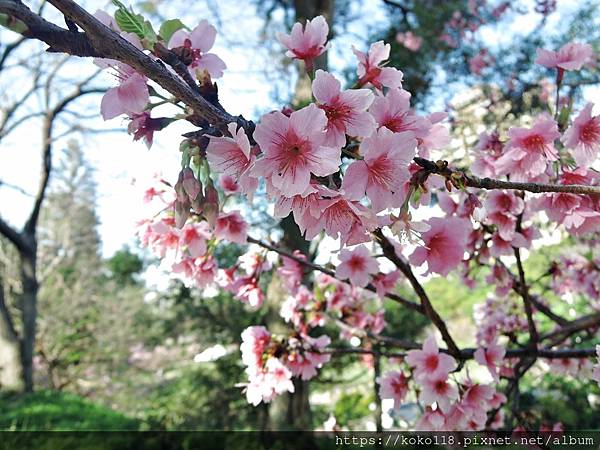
[58,411]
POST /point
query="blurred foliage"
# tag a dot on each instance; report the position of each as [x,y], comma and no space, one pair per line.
[50,410]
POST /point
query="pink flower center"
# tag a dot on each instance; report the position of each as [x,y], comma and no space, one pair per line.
[534,143]
[356,263]
[441,387]
[590,132]
[336,113]
[398,387]
[381,172]
[431,362]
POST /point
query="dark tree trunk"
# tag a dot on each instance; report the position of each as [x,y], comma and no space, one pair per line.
[28,305]
[11,364]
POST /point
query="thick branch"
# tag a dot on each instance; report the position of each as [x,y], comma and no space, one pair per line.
[459,177]
[390,252]
[370,287]
[13,236]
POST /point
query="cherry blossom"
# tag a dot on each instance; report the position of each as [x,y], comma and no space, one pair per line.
[438,389]
[231,227]
[529,150]
[393,111]
[232,156]
[293,148]
[410,40]
[429,363]
[383,170]
[308,42]
[130,97]
[345,110]
[193,48]
[583,137]
[385,283]
[491,357]
[371,71]
[394,385]
[357,265]
[571,56]
[444,245]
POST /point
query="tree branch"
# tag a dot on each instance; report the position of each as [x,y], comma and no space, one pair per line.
[390,252]
[397,298]
[533,334]
[458,177]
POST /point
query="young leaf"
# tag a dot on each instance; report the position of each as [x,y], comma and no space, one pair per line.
[169,27]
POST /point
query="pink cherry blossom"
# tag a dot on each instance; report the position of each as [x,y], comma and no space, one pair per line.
[142,126]
[393,111]
[291,271]
[293,148]
[583,137]
[344,218]
[383,170]
[130,97]
[232,227]
[488,150]
[410,40]
[194,237]
[429,362]
[229,185]
[440,390]
[444,244]
[480,61]
[394,385]
[491,357]
[197,43]
[308,42]
[370,70]
[529,150]
[345,110]
[304,364]
[232,156]
[357,265]
[434,134]
[385,283]
[571,56]
[431,420]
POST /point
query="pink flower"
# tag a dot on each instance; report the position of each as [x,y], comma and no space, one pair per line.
[431,420]
[439,390]
[343,218]
[232,227]
[306,43]
[193,237]
[583,137]
[247,290]
[196,44]
[488,150]
[142,126]
[502,208]
[130,97]
[480,61]
[429,362]
[229,185]
[232,156]
[383,171]
[370,71]
[394,385]
[305,364]
[385,283]
[357,266]
[530,149]
[410,40]
[571,56]
[291,271]
[346,111]
[393,111]
[491,357]
[444,244]
[293,148]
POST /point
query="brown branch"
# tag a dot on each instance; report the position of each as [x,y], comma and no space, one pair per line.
[390,252]
[533,334]
[458,178]
[14,237]
[397,298]
[580,324]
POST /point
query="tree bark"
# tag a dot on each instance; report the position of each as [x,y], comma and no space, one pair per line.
[28,305]
[11,367]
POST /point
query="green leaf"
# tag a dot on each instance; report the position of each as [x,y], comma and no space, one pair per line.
[169,27]
[130,22]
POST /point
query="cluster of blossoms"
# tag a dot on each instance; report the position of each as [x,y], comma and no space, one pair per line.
[350,164]
[449,404]
[576,274]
